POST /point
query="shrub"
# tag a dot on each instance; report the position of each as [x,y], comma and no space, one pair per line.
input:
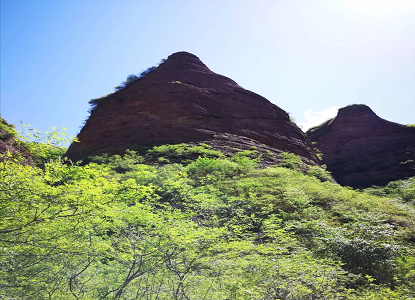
[98,101]
[185,151]
[365,255]
[5,136]
[130,79]
[244,162]
[215,168]
[254,154]
[42,153]
[120,164]
[291,161]
[8,130]
[163,160]
[400,189]
[320,173]
[269,154]
[204,166]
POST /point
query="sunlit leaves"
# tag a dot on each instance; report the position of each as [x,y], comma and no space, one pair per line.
[217,228]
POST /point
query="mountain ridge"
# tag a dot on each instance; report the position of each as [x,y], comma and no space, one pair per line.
[183,101]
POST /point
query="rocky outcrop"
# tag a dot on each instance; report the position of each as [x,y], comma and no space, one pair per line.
[182,101]
[9,145]
[362,149]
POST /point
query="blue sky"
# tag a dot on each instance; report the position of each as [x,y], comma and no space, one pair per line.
[308,57]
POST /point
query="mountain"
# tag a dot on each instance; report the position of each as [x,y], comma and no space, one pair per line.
[183,101]
[214,227]
[362,149]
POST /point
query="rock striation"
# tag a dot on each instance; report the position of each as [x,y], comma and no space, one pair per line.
[183,101]
[362,149]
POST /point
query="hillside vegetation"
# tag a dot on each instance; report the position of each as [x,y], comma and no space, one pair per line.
[209,227]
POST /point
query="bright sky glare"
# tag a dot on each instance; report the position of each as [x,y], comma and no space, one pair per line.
[305,56]
[312,118]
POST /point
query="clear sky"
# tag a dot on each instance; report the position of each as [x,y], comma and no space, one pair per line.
[308,57]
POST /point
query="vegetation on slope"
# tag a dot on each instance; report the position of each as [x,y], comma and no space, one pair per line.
[215,227]
[10,144]
[7,131]
[403,190]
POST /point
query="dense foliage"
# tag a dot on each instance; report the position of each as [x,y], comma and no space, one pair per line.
[404,190]
[215,227]
[6,130]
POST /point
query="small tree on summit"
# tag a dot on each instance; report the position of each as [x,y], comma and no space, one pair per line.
[145,72]
[130,79]
[133,78]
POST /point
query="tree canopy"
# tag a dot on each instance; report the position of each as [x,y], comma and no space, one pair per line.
[212,227]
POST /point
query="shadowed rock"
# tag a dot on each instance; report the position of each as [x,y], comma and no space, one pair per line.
[362,149]
[182,101]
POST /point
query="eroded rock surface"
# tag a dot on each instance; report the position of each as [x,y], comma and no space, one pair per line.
[182,101]
[362,149]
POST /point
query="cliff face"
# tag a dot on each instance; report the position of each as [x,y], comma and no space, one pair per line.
[362,149]
[182,101]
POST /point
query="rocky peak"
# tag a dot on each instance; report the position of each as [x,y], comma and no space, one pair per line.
[183,55]
[187,68]
[355,111]
[183,101]
[185,60]
[361,149]
[360,120]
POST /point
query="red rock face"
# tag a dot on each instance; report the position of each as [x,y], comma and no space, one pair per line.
[362,149]
[182,101]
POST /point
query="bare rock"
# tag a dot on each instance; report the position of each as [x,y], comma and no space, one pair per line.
[182,101]
[362,149]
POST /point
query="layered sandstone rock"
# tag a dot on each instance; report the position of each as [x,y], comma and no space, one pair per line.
[362,149]
[183,101]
